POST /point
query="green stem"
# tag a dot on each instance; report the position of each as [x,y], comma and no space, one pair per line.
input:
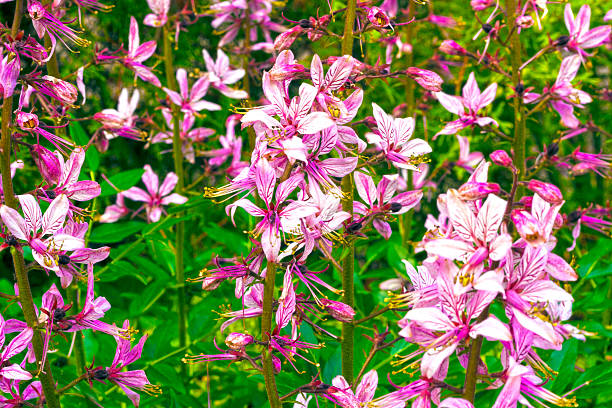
[405,220]
[519,114]
[348,263]
[177,155]
[25,294]
[266,329]
[471,372]
[79,345]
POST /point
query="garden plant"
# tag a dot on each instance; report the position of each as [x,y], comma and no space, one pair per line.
[308,203]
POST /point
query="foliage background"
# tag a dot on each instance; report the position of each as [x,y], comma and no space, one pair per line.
[138,279]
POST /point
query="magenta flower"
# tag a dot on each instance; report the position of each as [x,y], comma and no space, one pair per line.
[9,72]
[138,53]
[189,136]
[275,213]
[114,212]
[340,392]
[68,181]
[159,17]
[467,106]
[394,138]
[191,102]
[564,96]
[126,380]
[17,345]
[156,196]
[93,310]
[29,122]
[45,23]
[34,228]
[17,399]
[581,37]
[221,75]
[380,201]
[121,121]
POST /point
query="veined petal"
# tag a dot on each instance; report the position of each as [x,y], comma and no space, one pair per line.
[31,212]
[14,222]
[55,215]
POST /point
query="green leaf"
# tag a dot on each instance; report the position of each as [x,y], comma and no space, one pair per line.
[122,181]
[564,361]
[110,233]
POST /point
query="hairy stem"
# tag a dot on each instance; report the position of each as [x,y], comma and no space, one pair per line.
[266,328]
[177,154]
[405,220]
[25,294]
[471,372]
[348,263]
[519,115]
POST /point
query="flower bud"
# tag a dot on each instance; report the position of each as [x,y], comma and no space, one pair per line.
[9,73]
[276,364]
[26,121]
[285,39]
[61,90]
[552,149]
[338,310]
[487,28]
[450,47]
[476,191]
[427,79]
[210,284]
[501,158]
[549,192]
[47,163]
[562,41]
[237,341]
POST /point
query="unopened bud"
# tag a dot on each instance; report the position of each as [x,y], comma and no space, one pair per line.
[487,28]
[501,158]
[549,192]
[427,79]
[237,341]
[48,164]
[520,88]
[450,47]
[305,23]
[476,191]
[61,90]
[284,40]
[552,149]
[395,207]
[574,216]
[562,41]
[276,364]
[338,310]
[210,284]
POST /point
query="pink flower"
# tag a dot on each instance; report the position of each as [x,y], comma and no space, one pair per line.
[126,380]
[156,196]
[17,345]
[114,212]
[340,392]
[394,136]
[68,181]
[45,23]
[9,72]
[138,53]
[429,80]
[34,228]
[159,17]
[191,102]
[467,106]
[121,121]
[581,37]
[275,213]
[220,75]
[380,201]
